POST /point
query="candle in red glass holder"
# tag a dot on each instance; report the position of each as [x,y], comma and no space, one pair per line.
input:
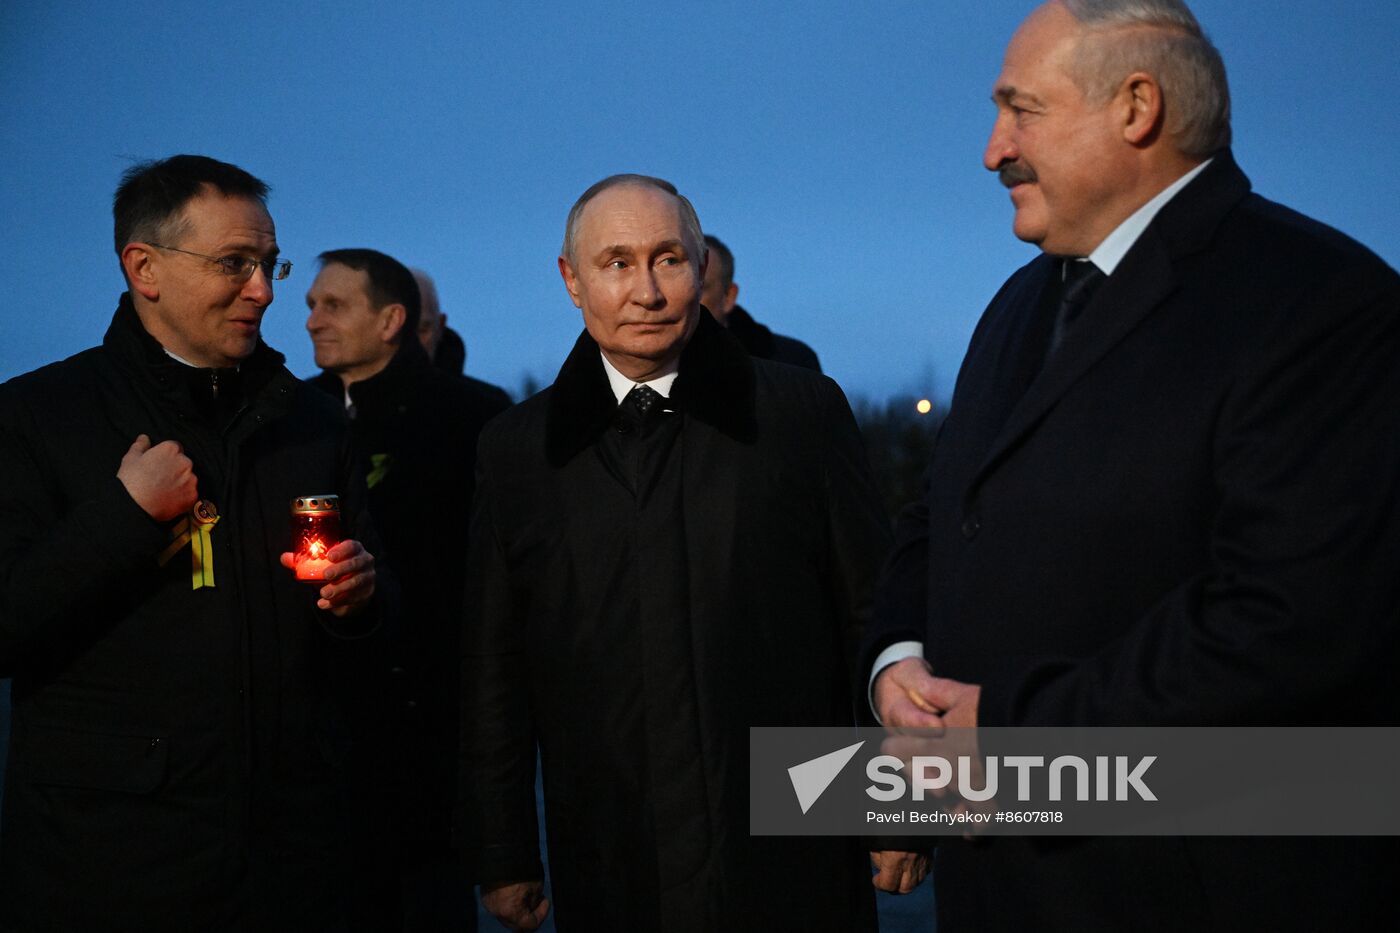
[315,530]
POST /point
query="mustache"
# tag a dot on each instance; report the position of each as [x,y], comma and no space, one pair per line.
[1016,173]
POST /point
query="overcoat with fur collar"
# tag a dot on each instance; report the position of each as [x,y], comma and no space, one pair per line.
[636,632]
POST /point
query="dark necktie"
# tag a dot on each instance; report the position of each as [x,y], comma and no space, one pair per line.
[643,403]
[1081,278]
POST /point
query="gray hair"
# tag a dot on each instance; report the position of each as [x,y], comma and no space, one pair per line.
[427,289]
[690,221]
[1164,39]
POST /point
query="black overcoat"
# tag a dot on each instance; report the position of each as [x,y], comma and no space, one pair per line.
[638,644]
[1189,518]
[415,431]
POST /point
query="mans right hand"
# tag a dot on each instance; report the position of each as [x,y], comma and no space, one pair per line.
[902,693]
[160,479]
[898,872]
[519,905]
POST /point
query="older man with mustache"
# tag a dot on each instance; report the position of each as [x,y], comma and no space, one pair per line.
[1166,491]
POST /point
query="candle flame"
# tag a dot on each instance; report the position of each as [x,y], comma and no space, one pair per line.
[316,549]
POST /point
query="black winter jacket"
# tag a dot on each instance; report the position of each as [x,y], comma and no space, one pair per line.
[178,753]
[415,429]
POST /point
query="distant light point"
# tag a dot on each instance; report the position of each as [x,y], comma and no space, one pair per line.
[924,406]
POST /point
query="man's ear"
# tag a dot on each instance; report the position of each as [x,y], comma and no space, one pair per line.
[731,297]
[391,321]
[138,262]
[570,281]
[1140,100]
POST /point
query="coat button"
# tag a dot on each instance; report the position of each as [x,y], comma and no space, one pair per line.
[970,526]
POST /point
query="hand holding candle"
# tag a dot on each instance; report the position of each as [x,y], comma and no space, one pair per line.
[315,530]
[349,576]
[344,567]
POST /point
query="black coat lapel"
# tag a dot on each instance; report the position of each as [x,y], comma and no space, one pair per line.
[716,382]
[581,403]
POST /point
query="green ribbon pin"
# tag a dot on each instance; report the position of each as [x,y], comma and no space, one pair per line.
[379,468]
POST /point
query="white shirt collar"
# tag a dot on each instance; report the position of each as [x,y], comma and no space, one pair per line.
[621,385]
[180,359]
[1115,246]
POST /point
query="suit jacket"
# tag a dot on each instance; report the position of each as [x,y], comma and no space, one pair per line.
[762,342]
[1189,518]
[636,625]
[451,356]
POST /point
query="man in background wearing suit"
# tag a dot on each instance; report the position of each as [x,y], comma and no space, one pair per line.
[720,295]
[1166,491]
[444,346]
[415,430]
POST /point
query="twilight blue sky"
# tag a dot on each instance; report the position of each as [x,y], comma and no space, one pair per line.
[835,146]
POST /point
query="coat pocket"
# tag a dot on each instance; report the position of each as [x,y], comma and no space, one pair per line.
[133,764]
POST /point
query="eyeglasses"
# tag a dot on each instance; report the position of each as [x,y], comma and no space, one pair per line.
[240,267]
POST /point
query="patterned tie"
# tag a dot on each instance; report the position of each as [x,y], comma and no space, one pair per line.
[643,402]
[1081,278]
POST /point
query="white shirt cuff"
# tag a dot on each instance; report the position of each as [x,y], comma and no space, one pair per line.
[894,653]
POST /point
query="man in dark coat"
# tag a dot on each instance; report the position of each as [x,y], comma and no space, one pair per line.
[445,347]
[415,429]
[446,350]
[177,760]
[720,294]
[670,545]
[1170,500]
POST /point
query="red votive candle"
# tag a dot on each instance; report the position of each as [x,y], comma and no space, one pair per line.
[315,530]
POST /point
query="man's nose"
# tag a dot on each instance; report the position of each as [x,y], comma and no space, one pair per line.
[1000,148]
[646,291]
[258,288]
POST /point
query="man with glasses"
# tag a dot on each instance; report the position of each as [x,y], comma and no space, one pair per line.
[177,750]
